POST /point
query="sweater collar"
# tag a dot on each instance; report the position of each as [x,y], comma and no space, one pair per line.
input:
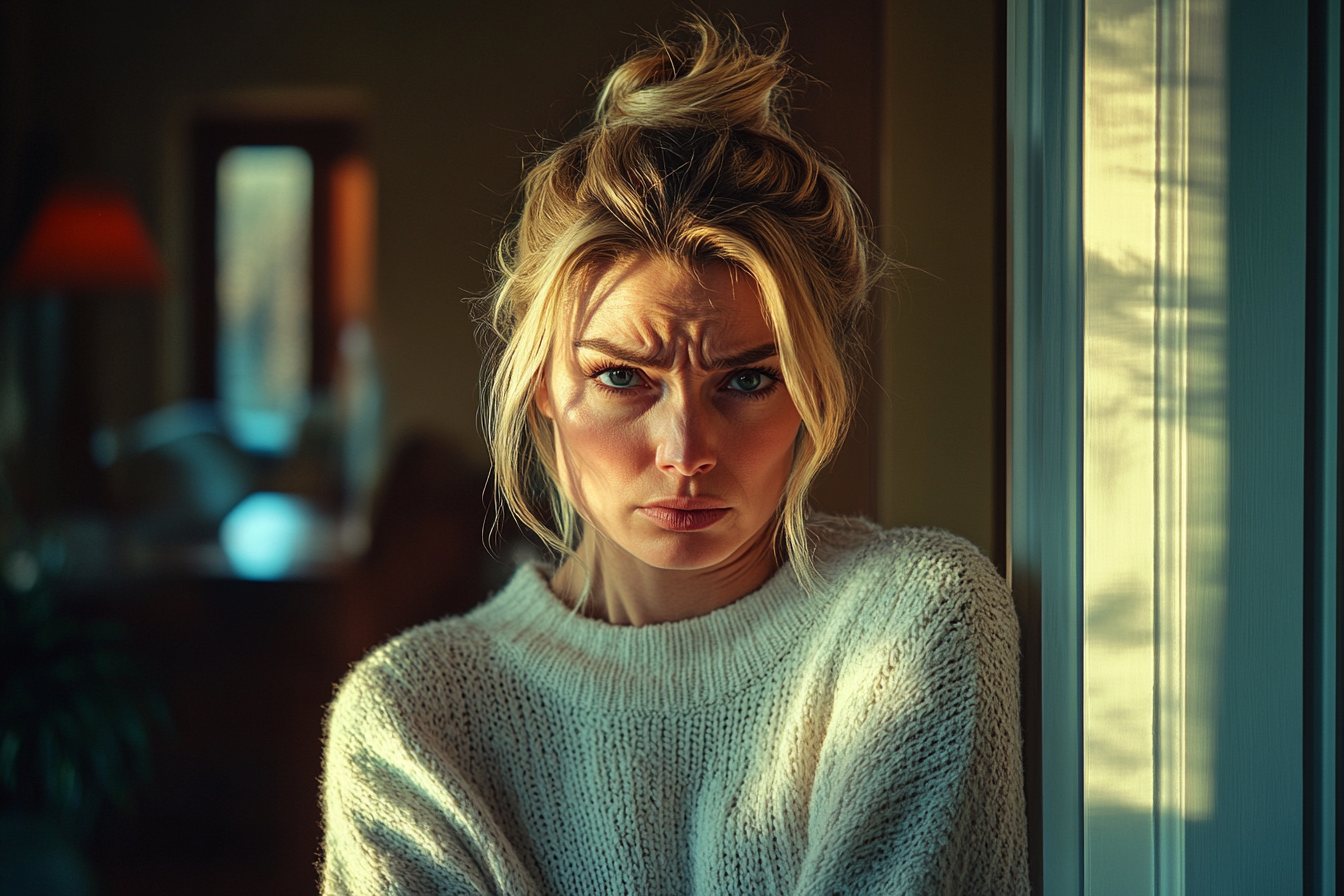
[660,667]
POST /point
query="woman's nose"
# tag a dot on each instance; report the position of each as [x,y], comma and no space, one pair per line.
[686,444]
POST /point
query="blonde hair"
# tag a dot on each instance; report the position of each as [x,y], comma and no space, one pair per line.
[689,157]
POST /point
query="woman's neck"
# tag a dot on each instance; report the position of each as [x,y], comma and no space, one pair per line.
[627,591]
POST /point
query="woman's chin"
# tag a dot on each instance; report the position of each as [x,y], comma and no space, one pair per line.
[682,556]
[689,551]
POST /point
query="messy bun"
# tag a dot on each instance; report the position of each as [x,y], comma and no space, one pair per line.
[715,81]
[689,157]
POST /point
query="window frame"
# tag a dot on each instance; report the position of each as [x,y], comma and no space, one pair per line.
[1275,638]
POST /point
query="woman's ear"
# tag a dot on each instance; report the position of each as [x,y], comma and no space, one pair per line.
[542,397]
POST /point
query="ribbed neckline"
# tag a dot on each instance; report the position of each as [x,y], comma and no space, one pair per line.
[654,668]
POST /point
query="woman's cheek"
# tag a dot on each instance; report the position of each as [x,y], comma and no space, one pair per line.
[601,440]
[767,431]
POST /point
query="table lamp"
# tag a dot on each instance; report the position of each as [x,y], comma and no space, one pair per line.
[87,240]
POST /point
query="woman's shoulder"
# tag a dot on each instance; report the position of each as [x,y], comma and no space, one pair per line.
[913,577]
[856,546]
[419,649]
[394,678]
[450,654]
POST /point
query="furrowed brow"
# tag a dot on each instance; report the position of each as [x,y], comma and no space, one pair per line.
[620,353]
[655,362]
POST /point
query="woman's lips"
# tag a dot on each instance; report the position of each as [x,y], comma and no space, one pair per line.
[677,520]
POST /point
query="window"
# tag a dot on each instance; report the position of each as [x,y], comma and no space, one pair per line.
[282,234]
[263,290]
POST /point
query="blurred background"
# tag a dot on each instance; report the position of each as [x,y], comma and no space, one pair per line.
[238,374]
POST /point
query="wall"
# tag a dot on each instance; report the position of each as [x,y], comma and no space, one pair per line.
[942,456]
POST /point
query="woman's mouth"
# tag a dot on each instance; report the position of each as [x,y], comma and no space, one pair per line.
[676,519]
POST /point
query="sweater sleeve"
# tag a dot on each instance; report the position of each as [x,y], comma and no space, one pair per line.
[397,821]
[919,789]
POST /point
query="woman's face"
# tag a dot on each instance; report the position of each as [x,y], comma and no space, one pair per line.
[674,432]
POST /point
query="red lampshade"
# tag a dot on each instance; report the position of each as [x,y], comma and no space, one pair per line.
[87,239]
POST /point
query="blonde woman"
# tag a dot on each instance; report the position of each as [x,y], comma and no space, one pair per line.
[713,691]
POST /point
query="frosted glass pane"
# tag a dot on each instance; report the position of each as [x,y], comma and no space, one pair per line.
[263,288]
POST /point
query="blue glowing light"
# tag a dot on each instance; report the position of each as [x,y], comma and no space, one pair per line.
[266,535]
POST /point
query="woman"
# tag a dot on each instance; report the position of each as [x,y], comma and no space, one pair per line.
[713,691]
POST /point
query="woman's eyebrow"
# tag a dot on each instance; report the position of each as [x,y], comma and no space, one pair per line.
[656,362]
[750,356]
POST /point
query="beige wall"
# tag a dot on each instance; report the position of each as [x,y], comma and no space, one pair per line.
[942,363]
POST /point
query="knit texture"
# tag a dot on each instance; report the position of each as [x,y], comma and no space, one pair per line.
[860,739]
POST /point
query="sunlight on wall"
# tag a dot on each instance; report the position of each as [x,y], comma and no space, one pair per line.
[1118,509]
[1154,453]
[1206,480]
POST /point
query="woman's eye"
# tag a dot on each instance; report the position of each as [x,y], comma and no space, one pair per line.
[619,378]
[749,381]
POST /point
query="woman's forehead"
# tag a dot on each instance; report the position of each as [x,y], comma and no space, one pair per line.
[643,292]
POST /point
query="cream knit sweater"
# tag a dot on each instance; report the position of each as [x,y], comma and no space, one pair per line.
[861,739]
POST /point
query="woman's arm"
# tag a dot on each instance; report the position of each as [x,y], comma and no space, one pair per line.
[398,820]
[919,789]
